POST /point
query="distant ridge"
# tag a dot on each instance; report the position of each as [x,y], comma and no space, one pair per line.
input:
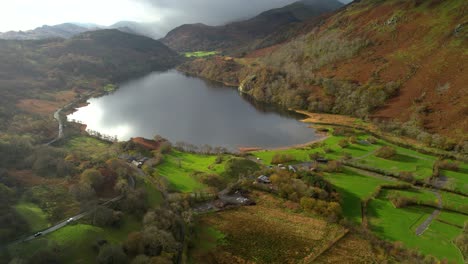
[193,37]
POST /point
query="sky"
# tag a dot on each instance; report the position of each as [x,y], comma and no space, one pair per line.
[29,14]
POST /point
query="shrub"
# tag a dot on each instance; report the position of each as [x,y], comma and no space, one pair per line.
[343,143]
[448,165]
[334,166]
[212,180]
[400,201]
[342,131]
[372,140]
[236,167]
[282,158]
[386,152]
[407,176]
[315,155]
[347,156]
[165,147]
[219,159]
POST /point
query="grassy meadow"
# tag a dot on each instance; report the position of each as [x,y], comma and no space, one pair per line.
[178,168]
[200,54]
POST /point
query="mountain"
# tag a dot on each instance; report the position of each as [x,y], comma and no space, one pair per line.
[401,63]
[66,30]
[88,61]
[195,37]
[151,30]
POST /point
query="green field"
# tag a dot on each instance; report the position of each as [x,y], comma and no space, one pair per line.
[420,195]
[180,176]
[200,54]
[453,218]
[454,201]
[331,143]
[75,241]
[88,146]
[354,188]
[458,180]
[400,224]
[36,218]
[405,160]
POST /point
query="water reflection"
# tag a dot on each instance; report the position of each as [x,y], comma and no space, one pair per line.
[184,108]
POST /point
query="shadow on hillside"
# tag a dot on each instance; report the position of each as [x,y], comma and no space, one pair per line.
[351,205]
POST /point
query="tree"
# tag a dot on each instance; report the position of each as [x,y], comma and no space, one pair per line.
[45,256]
[104,216]
[134,244]
[141,259]
[121,186]
[82,192]
[165,147]
[92,177]
[156,241]
[111,254]
[135,201]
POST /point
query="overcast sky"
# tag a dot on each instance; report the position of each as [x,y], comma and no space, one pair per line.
[29,14]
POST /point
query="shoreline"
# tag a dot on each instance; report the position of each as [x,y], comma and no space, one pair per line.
[302,145]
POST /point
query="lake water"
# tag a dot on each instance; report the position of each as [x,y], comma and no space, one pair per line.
[189,109]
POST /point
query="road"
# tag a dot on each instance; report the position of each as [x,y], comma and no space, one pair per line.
[423,227]
[55,227]
[60,126]
[64,223]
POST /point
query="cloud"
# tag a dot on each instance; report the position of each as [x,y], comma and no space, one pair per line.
[174,13]
[28,14]
[212,12]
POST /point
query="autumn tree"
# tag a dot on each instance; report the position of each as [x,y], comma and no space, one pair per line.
[92,177]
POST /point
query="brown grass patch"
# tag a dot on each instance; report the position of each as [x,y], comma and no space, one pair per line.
[46,107]
[267,233]
[27,178]
[350,249]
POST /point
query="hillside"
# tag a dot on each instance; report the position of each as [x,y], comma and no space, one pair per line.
[388,60]
[69,30]
[66,30]
[39,69]
[194,37]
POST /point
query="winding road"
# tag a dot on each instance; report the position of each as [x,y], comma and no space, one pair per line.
[60,126]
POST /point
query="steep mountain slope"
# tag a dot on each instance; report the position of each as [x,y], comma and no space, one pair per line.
[151,30]
[33,69]
[195,37]
[66,30]
[390,60]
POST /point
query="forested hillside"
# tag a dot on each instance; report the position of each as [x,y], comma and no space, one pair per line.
[38,69]
[399,61]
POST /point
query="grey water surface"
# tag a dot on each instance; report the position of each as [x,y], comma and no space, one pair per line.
[193,110]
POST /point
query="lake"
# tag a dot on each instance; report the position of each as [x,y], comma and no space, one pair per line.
[183,108]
